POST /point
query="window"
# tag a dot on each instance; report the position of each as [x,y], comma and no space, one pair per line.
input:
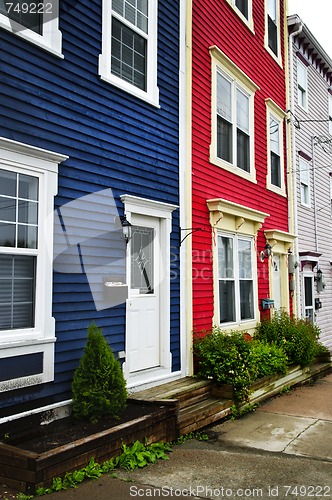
[304,182]
[330,114]
[275,152]
[39,26]
[243,9]
[236,290]
[273,26]
[302,85]
[28,184]
[129,47]
[275,115]
[233,138]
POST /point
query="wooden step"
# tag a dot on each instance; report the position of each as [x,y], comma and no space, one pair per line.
[203,413]
[186,391]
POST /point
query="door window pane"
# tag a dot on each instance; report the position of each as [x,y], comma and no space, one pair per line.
[142,259]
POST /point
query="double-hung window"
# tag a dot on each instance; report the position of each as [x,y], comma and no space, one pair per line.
[275,153]
[129,47]
[235,274]
[233,122]
[275,172]
[28,184]
[243,9]
[273,27]
[302,85]
[36,22]
[304,182]
[232,146]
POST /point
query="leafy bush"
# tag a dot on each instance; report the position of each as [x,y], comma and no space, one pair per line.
[297,337]
[267,359]
[98,385]
[225,358]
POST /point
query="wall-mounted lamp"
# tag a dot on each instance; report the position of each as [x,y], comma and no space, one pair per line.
[126,228]
[267,252]
[319,275]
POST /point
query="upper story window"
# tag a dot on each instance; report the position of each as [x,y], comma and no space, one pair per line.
[129,47]
[243,9]
[304,182]
[273,27]
[275,116]
[232,144]
[330,114]
[37,23]
[302,85]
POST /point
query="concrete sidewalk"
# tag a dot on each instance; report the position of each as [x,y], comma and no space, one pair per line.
[282,449]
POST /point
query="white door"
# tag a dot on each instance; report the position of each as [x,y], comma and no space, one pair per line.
[143,304]
[276,282]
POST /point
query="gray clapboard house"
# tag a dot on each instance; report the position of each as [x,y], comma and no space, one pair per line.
[310,69]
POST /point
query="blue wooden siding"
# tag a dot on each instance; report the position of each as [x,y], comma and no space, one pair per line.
[113,140]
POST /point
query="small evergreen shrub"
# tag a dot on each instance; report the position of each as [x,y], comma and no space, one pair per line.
[297,337]
[98,385]
[267,359]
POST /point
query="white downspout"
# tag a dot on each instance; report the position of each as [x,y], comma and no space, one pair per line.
[293,164]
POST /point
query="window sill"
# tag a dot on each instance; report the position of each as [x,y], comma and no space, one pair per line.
[234,170]
[247,22]
[53,45]
[276,58]
[276,190]
[151,98]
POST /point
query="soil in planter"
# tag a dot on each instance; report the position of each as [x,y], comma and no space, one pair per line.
[61,432]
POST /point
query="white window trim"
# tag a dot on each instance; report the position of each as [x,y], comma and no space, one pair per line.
[277,57]
[232,218]
[50,40]
[297,85]
[246,323]
[151,95]
[221,62]
[303,161]
[248,22]
[275,112]
[19,157]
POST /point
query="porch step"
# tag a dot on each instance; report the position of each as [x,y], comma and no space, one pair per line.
[202,413]
[184,392]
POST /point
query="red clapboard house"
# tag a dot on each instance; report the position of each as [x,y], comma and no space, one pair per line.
[239,164]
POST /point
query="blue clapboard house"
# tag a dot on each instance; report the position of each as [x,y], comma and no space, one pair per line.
[89,193]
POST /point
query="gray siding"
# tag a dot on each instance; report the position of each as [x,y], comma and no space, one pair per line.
[315,235]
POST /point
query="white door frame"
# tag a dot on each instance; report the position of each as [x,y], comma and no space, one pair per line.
[162,211]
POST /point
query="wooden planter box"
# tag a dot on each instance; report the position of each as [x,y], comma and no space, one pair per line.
[26,470]
[223,391]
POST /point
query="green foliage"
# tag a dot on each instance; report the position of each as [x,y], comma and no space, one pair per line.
[267,359]
[237,412]
[225,358]
[200,436]
[98,385]
[297,337]
[137,455]
[285,389]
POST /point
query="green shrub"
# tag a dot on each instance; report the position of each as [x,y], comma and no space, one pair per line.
[297,337]
[98,385]
[267,359]
[225,358]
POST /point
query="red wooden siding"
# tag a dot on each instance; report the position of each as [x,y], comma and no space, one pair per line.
[216,23]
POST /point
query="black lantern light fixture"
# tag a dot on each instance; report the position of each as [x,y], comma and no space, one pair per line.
[126,228]
[267,252]
[319,275]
